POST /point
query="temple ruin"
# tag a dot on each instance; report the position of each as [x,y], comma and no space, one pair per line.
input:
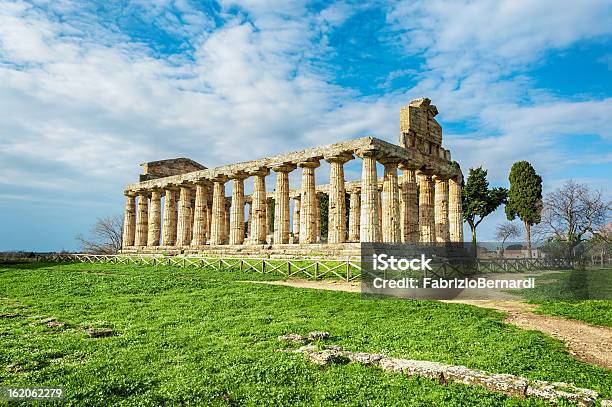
[180,206]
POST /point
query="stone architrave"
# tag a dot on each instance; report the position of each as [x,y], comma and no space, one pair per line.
[391,202]
[336,226]
[441,209]
[154,227]
[142,219]
[129,220]
[308,214]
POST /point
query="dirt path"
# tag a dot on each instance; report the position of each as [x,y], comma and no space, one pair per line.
[589,343]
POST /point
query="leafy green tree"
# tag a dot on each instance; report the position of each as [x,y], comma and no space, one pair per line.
[525,197]
[479,200]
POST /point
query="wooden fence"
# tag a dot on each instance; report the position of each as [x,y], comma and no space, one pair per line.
[348,269]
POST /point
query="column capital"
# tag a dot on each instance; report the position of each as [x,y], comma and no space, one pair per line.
[142,192]
[439,178]
[238,175]
[339,158]
[368,152]
[353,189]
[130,193]
[260,172]
[310,163]
[426,172]
[389,161]
[408,165]
[222,178]
[284,167]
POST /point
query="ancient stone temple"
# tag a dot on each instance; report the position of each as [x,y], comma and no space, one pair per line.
[180,206]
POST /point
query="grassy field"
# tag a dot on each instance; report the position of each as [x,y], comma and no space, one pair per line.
[200,337]
[563,293]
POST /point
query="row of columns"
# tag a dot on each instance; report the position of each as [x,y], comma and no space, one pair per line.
[393,216]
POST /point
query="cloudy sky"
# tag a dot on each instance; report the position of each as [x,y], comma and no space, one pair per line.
[88,90]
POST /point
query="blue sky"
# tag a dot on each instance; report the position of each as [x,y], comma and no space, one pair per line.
[88,90]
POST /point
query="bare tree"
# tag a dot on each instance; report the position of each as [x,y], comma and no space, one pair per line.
[505,231]
[106,236]
[573,214]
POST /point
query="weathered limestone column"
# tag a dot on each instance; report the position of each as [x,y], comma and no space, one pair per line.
[455,211]
[390,203]
[154,219]
[237,210]
[427,225]
[226,218]
[370,230]
[318,217]
[336,226]
[296,218]
[380,211]
[409,206]
[281,208]
[269,216]
[217,226]
[170,217]
[354,214]
[441,209]
[200,215]
[142,218]
[259,228]
[129,220]
[183,229]
[208,216]
[249,219]
[308,215]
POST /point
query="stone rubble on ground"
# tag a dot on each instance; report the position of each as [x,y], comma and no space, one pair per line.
[508,384]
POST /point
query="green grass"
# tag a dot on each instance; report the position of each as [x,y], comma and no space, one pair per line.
[577,294]
[200,337]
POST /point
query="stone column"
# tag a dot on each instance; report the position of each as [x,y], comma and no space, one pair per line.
[249,219]
[369,222]
[142,218]
[354,214]
[154,219]
[455,211]
[183,229]
[269,216]
[296,218]
[237,210]
[217,226]
[226,218]
[170,217]
[208,216]
[441,209]
[129,220]
[427,226]
[336,225]
[259,228]
[281,209]
[200,215]
[308,215]
[390,203]
[409,206]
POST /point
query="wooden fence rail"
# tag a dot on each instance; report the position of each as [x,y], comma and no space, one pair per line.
[348,269]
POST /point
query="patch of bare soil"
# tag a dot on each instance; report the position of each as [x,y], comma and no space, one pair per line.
[588,343]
